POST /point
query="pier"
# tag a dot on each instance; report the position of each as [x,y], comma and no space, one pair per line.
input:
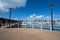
[4,23]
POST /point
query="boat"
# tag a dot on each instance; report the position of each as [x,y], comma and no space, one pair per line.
[23,23]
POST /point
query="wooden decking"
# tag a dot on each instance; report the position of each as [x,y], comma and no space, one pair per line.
[28,34]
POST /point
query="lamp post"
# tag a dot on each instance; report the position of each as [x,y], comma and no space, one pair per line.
[51,8]
[10,16]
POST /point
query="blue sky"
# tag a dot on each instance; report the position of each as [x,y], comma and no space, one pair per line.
[34,9]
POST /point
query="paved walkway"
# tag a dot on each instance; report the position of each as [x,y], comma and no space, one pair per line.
[28,34]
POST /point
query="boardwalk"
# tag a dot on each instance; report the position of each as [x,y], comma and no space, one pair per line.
[5,22]
[10,25]
[28,34]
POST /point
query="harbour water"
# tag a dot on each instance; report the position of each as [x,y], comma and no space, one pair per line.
[56,27]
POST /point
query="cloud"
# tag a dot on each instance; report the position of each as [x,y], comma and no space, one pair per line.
[6,4]
[34,16]
[31,16]
[40,16]
[47,17]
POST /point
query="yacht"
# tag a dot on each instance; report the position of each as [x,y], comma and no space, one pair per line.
[23,23]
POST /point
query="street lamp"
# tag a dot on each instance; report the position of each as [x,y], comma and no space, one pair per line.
[51,8]
[10,16]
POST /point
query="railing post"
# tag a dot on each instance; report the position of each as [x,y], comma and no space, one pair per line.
[18,25]
[41,26]
[50,27]
[25,26]
[32,26]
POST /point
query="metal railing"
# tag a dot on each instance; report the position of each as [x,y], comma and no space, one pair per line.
[43,26]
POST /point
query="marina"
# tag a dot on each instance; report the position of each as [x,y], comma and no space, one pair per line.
[41,25]
[29,19]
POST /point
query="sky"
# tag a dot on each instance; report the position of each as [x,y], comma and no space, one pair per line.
[29,9]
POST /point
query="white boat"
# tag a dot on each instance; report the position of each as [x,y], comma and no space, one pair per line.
[23,23]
